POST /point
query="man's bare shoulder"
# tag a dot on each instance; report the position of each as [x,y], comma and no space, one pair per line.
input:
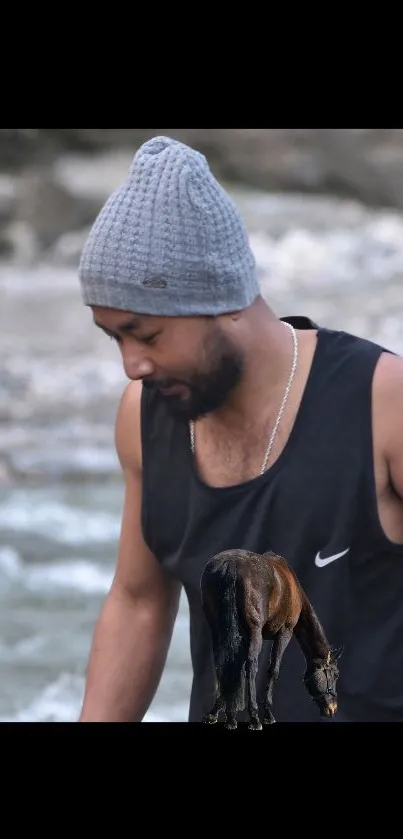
[388,382]
[128,428]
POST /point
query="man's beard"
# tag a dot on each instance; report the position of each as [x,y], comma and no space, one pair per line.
[206,391]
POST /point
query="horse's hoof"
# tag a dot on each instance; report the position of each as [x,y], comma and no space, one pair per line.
[230,725]
[255,726]
[269,721]
[210,719]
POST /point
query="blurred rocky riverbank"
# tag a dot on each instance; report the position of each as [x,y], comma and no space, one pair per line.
[364,163]
[40,201]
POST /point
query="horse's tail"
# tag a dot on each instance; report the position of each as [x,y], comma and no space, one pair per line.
[224,609]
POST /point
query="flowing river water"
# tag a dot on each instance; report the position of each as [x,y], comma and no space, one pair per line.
[60,485]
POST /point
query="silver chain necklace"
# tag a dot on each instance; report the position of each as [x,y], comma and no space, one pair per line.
[282,406]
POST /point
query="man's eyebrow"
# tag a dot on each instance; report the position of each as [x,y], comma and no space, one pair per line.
[134,322]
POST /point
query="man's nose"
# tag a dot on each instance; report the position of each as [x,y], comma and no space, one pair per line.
[135,365]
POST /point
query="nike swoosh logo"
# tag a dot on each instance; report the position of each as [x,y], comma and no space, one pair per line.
[320,563]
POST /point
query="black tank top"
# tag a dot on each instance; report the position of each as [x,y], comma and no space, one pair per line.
[318,499]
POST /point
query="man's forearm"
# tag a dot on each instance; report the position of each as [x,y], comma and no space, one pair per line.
[128,654]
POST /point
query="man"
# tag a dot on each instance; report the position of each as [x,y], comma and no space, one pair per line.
[238,430]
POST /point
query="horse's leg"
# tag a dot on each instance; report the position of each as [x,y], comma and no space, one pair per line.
[255,645]
[212,716]
[230,717]
[280,644]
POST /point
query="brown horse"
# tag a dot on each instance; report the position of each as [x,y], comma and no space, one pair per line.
[248,598]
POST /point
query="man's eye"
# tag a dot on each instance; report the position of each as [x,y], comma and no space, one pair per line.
[148,339]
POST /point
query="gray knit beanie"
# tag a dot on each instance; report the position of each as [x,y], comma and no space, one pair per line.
[169,241]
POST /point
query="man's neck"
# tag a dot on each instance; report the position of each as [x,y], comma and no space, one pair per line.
[268,361]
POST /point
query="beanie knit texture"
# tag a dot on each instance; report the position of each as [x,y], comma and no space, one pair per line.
[169,241]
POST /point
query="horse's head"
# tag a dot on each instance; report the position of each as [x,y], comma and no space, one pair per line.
[320,681]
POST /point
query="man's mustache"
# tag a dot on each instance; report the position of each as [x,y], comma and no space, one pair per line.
[155,384]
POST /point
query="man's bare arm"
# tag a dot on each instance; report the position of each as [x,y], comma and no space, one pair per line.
[388,412]
[134,629]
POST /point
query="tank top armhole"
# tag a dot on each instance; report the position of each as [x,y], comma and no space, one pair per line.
[383,543]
